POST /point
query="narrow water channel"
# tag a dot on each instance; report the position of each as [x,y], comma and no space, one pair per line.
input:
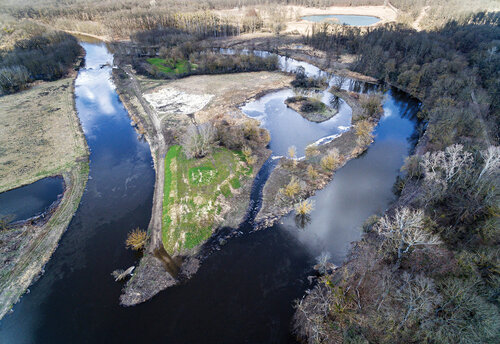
[242,293]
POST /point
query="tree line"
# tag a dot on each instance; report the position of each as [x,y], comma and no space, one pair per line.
[455,71]
[428,270]
[48,57]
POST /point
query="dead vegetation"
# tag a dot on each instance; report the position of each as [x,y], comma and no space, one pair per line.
[40,134]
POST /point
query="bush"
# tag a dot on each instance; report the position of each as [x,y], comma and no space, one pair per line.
[311,151]
[364,132]
[304,207]
[13,78]
[136,240]
[332,160]
[371,104]
[292,188]
[311,172]
[312,105]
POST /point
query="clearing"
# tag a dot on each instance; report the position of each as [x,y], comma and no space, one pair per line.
[171,67]
[40,134]
[197,195]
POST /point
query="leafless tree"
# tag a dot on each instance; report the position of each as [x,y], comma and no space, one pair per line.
[419,295]
[491,157]
[405,231]
[198,140]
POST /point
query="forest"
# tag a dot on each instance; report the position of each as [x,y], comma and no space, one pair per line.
[46,56]
[429,269]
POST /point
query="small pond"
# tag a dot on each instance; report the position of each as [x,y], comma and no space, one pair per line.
[354,20]
[30,200]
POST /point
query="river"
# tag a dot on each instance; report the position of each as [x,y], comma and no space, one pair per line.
[243,292]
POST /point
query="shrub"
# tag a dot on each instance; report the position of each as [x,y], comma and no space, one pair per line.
[13,78]
[332,160]
[311,151]
[198,139]
[292,188]
[247,152]
[364,132]
[136,240]
[252,160]
[371,104]
[312,105]
[412,167]
[311,172]
[292,152]
[304,207]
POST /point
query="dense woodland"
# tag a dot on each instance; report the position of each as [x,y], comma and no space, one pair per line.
[429,269]
[174,46]
[45,56]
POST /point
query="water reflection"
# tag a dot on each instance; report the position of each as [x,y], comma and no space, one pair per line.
[361,188]
[288,128]
[30,200]
[242,293]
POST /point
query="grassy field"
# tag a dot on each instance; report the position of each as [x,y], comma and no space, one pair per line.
[197,194]
[169,67]
[39,134]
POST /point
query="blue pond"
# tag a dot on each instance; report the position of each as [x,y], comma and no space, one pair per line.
[343,19]
[30,200]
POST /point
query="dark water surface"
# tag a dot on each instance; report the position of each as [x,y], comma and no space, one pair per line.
[30,200]
[242,293]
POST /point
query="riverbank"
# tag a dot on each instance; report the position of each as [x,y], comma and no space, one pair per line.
[313,172]
[198,99]
[41,137]
[27,248]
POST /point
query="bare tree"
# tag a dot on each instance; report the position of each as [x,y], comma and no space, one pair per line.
[491,158]
[198,140]
[419,295]
[340,79]
[405,231]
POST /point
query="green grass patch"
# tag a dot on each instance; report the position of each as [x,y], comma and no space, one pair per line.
[226,190]
[235,183]
[202,175]
[191,199]
[170,66]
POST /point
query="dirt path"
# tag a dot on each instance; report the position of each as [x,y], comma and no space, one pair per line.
[423,13]
[158,151]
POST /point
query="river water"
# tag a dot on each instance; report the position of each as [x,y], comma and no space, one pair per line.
[244,292]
